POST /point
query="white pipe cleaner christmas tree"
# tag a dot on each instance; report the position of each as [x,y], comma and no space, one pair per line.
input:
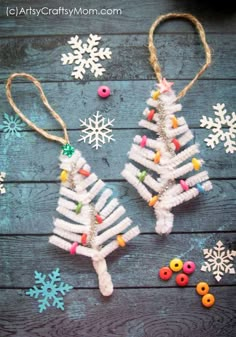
[92,220]
[163,163]
[97,218]
[159,175]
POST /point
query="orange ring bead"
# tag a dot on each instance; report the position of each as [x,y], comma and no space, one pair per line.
[208,300]
[157,157]
[153,200]
[175,122]
[121,241]
[202,288]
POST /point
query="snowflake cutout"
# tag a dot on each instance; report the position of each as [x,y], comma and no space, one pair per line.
[97,130]
[218,133]
[49,290]
[2,177]
[11,125]
[219,261]
[86,56]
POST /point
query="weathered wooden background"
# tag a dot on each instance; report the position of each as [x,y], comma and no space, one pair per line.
[142,305]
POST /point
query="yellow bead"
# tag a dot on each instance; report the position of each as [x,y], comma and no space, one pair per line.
[175,122]
[176,265]
[156,94]
[153,200]
[121,242]
[64,176]
[196,164]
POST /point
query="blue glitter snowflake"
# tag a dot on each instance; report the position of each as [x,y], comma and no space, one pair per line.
[49,290]
[11,126]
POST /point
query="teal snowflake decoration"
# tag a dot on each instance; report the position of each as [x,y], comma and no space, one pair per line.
[11,126]
[49,290]
[68,150]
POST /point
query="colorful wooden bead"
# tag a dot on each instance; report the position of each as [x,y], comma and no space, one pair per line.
[84,239]
[157,157]
[99,219]
[176,265]
[142,176]
[189,267]
[182,280]
[165,273]
[73,248]
[202,288]
[64,176]
[84,172]
[174,122]
[153,200]
[104,91]
[200,188]
[78,207]
[176,144]
[196,164]
[184,185]
[143,141]
[151,114]
[208,300]
[156,94]
[121,241]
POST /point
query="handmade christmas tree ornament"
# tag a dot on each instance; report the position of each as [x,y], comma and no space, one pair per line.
[161,162]
[93,223]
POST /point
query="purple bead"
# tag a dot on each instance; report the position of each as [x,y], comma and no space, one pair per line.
[104,91]
[189,267]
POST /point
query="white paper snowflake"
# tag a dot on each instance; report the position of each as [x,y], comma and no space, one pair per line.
[2,177]
[219,261]
[223,128]
[97,131]
[86,56]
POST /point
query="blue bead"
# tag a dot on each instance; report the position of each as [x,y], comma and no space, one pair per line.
[200,188]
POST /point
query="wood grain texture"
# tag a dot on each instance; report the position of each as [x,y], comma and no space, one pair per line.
[142,258]
[135,312]
[41,57]
[37,158]
[33,206]
[75,101]
[142,306]
[136,17]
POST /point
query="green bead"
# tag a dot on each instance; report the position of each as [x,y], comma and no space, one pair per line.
[78,208]
[142,176]
[68,150]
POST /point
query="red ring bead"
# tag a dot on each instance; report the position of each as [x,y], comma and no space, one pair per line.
[189,267]
[99,218]
[165,273]
[151,114]
[182,280]
[176,144]
[84,239]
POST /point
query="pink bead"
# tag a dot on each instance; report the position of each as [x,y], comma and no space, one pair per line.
[184,185]
[143,141]
[104,91]
[189,267]
[73,248]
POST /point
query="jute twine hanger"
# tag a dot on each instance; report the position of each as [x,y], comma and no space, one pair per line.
[63,140]
[153,52]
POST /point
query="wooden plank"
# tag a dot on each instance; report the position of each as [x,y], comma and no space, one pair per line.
[37,158]
[130,313]
[30,208]
[75,101]
[177,53]
[143,257]
[136,17]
